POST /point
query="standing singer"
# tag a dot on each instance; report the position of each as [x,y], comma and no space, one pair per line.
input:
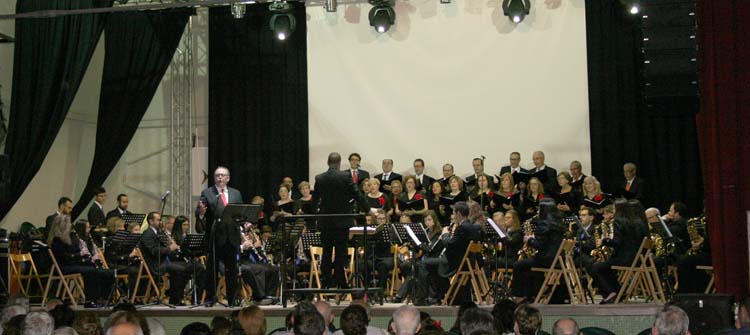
[335,189]
[223,237]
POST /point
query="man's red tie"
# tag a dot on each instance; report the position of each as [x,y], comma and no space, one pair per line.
[354,176]
[627,186]
[224,197]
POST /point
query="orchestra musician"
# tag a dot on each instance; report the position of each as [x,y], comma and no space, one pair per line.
[156,253]
[584,236]
[548,233]
[223,237]
[629,232]
[179,231]
[66,246]
[432,249]
[256,268]
[510,222]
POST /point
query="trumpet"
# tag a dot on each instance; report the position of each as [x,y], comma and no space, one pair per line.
[527,251]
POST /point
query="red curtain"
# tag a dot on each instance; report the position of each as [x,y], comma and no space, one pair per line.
[724,135]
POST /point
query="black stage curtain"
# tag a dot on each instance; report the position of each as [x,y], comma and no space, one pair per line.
[50,58]
[257,100]
[661,140]
[139,48]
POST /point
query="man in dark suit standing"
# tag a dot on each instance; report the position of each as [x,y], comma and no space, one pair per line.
[447,174]
[223,237]
[547,175]
[96,211]
[155,251]
[424,182]
[356,174]
[387,177]
[471,181]
[64,207]
[336,189]
[632,186]
[122,207]
[515,165]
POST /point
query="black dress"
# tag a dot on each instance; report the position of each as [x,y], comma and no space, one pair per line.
[573,199]
[415,203]
[383,201]
[434,204]
[287,207]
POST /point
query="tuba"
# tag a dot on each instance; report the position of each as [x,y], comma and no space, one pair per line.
[695,237]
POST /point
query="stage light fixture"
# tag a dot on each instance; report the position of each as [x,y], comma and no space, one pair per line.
[382,16]
[331,5]
[516,10]
[282,22]
[238,10]
[634,9]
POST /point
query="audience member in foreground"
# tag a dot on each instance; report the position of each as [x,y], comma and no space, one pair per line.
[406,320]
[528,320]
[253,321]
[309,322]
[476,319]
[38,323]
[503,314]
[671,320]
[565,326]
[324,308]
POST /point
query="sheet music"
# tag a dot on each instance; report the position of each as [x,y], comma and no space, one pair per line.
[496,228]
[413,236]
[370,230]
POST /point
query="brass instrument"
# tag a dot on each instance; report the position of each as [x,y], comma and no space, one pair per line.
[252,237]
[528,230]
[695,237]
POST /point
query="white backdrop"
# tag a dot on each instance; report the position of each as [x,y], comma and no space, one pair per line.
[448,83]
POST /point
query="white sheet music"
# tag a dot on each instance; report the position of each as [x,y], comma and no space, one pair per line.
[370,230]
[496,228]
[412,235]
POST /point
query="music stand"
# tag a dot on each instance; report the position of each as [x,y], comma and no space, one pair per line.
[419,230]
[130,218]
[403,235]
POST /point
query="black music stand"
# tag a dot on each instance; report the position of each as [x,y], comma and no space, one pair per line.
[131,218]
[195,245]
[402,235]
[366,233]
[121,246]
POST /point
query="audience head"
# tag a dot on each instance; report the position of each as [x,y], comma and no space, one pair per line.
[503,314]
[65,331]
[252,320]
[671,320]
[475,319]
[126,323]
[196,328]
[309,322]
[743,315]
[11,311]
[155,327]
[354,320]
[324,308]
[565,326]
[38,323]
[13,326]
[65,206]
[434,329]
[87,323]
[528,320]
[406,320]
[63,315]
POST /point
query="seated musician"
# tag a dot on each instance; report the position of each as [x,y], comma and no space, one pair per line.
[585,239]
[510,223]
[456,239]
[197,270]
[255,269]
[693,280]
[629,231]
[433,249]
[156,252]
[66,246]
[412,202]
[545,238]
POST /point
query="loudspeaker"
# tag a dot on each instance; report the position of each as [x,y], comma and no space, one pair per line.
[707,312]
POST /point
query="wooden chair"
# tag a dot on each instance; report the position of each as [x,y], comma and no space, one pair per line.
[144,273]
[562,267]
[395,283]
[641,275]
[710,288]
[316,253]
[66,281]
[19,262]
[119,278]
[469,270]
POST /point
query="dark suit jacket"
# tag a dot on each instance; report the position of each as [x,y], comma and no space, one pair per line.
[154,251]
[361,175]
[550,185]
[547,238]
[455,245]
[471,181]
[636,189]
[391,177]
[578,185]
[116,212]
[225,233]
[426,184]
[587,242]
[335,191]
[96,216]
[506,168]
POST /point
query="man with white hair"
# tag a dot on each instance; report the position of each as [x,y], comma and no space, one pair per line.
[565,326]
[65,331]
[9,312]
[20,300]
[155,327]
[671,320]
[125,329]
[38,323]
[324,308]
[406,320]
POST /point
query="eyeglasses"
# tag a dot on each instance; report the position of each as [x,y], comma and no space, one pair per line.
[221,175]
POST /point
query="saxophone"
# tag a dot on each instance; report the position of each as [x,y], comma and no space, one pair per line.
[602,252]
[695,238]
[528,230]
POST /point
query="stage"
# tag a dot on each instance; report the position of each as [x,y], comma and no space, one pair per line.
[620,318]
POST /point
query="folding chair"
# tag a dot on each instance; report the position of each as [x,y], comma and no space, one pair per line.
[641,274]
[563,266]
[65,282]
[144,273]
[17,264]
[468,271]
[316,253]
[119,278]
[710,288]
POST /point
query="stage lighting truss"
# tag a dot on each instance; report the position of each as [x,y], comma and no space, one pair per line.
[382,16]
[282,21]
[516,10]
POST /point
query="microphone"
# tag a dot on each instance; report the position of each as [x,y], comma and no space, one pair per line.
[165,195]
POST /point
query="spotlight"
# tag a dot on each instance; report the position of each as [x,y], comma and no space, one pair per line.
[382,16]
[331,5]
[282,22]
[634,9]
[516,10]
[238,10]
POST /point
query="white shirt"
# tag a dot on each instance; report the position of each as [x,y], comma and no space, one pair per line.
[226,193]
[515,169]
[419,177]
[541,168]
[386,175]
[100,205]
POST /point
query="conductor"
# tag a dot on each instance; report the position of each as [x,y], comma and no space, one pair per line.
[336,190]
[223,237]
